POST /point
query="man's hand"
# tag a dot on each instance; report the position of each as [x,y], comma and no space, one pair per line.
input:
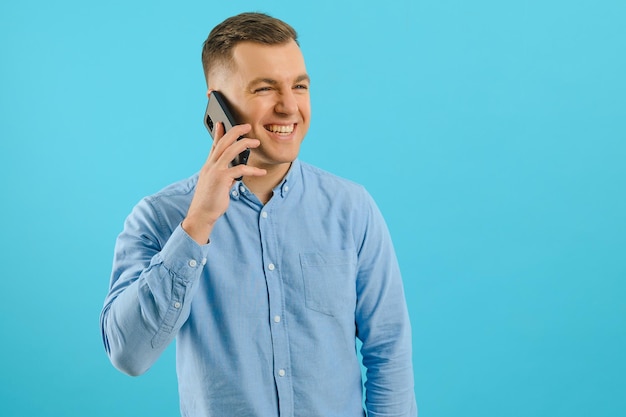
[211,197]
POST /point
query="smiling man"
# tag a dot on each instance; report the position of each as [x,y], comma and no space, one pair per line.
[265,283]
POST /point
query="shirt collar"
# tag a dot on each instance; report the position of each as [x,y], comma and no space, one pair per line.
[284,188]
[290,181]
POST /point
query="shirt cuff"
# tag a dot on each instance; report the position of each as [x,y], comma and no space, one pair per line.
[182,255]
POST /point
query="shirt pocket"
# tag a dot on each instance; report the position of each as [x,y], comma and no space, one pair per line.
[329,279]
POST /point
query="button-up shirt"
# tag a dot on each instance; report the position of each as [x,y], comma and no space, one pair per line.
[266,316]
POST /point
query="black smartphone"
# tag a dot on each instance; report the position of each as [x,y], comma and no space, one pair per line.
[217,111]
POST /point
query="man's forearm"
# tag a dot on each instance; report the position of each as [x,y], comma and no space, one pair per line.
[145,309]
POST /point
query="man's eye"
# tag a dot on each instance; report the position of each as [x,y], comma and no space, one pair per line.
[262,89]
[301,87]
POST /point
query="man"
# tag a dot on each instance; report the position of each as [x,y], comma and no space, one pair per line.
[266,282]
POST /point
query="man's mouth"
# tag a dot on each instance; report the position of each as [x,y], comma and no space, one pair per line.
[280,129]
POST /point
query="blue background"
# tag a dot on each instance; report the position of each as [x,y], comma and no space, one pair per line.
[492,134]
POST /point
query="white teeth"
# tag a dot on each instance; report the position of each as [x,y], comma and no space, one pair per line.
[280,129]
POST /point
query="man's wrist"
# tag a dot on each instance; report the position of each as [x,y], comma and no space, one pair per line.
[200,232]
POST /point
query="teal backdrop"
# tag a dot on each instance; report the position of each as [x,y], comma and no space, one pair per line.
[491,133]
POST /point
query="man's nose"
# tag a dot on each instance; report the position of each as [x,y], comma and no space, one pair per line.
[287,103]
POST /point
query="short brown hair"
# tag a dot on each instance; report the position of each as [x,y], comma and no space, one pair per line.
[253,27]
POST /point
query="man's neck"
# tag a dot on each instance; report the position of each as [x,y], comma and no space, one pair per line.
[263,186]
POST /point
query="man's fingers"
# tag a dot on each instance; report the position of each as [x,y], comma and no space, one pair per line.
[246,171]
[223,141]
[236,148]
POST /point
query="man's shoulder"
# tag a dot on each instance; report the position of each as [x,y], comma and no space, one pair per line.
[328,180]
[173,198]
[180,189]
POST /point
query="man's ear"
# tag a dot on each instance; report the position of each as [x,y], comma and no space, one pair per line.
[208,93]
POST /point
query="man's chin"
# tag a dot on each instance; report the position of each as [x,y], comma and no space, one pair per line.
[274,158]
[271,163]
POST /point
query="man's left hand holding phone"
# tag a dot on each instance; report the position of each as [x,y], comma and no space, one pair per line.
[220,171]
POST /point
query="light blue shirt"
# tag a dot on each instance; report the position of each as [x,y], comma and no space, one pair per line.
[266,315]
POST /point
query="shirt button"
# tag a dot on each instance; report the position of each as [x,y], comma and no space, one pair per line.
[286,188]
[234,193]
[276,319]
[203,261]
[193,263]
[242,189]
[281,372]
[271,267]
[264,214]
[176,304]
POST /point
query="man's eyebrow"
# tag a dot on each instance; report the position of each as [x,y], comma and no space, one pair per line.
[303,77]
[256,81]
[273,82]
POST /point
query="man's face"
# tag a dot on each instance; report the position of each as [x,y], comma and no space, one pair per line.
[268,88]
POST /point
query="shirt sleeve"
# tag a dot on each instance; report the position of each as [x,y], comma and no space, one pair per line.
[383,324]
[152,284]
